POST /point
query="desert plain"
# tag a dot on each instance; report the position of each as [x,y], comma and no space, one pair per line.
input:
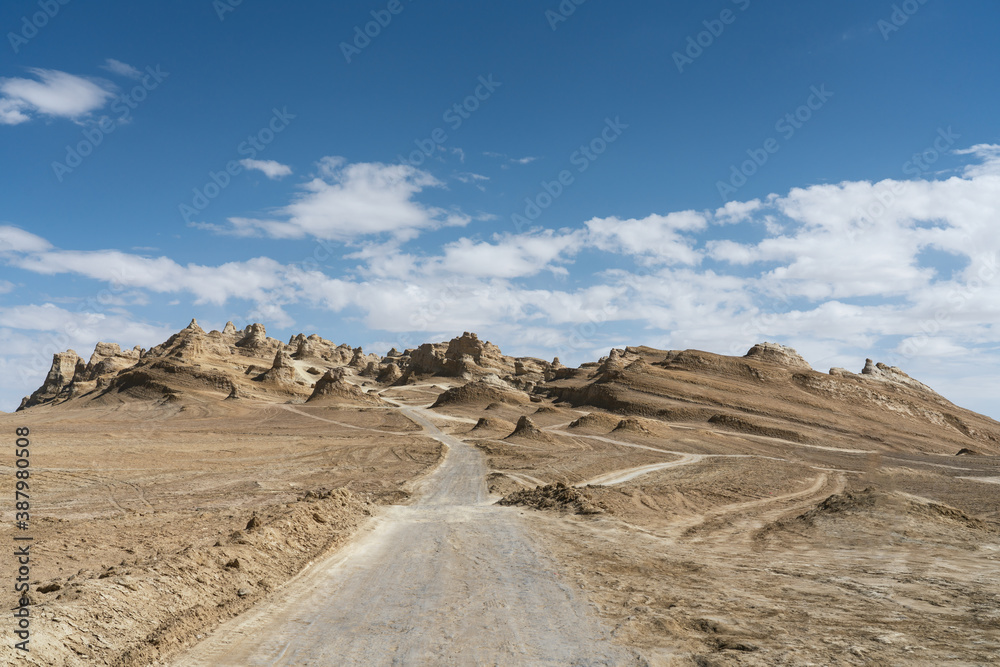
[226,498]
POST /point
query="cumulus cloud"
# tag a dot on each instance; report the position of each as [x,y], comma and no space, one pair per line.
[347,201]
[51,93]
[657,238]
[511,256]
[269,168]
[737,211]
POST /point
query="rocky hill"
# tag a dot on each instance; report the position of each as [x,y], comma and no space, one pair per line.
[247,364]
[773,392]
[769,392]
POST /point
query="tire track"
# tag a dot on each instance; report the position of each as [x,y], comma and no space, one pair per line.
[449,580]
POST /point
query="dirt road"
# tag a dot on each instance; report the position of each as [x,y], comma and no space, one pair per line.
[449,580]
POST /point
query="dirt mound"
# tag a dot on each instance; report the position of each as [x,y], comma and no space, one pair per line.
[527,430]
[856,516]
[637,426]
[549,410]
[553,497]
[873,501]
[965,451]
[479,393]
[333,388]
[596,421]
[492,424]
[753,427]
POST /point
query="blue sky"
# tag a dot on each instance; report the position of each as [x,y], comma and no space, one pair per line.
[559,177]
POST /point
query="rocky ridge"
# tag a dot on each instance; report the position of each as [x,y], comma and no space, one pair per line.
[755,393]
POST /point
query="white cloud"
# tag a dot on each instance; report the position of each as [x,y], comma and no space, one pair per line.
[512,256]
[53,93]
[251,279]
[6,287]
[473,179]
[737,211]
[657,238]
[270,168]
[120,68]
[989,156]
[470,177]
[350,201]
[17,240]
[508,161]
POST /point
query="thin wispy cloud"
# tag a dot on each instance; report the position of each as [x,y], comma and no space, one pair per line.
[510,161]
[121,69]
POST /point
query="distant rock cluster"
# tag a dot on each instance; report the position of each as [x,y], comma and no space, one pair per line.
[246,363]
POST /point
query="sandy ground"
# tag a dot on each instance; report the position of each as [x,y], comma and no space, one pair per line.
[136,512]
[377,541]
[449,580]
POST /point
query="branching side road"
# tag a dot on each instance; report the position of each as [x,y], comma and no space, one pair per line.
[449,580]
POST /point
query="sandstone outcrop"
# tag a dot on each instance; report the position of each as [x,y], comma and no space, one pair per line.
[883,373]
[66,366]
[282,371]
[778,354]
[254,338]
[333,387]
